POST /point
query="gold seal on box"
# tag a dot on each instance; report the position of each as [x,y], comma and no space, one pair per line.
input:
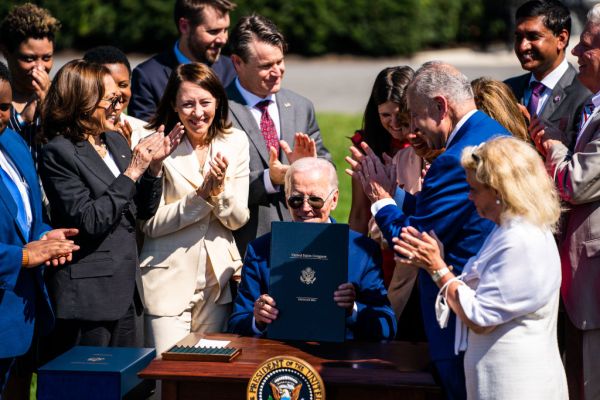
[285,378]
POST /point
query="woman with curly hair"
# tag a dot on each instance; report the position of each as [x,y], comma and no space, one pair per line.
[27,41]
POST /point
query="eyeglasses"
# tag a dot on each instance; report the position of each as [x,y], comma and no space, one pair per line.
[315,202]
[5,106]
[112,103]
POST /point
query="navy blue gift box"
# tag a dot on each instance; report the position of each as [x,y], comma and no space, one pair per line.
[102,373]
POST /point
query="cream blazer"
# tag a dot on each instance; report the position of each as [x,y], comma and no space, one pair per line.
[185,222]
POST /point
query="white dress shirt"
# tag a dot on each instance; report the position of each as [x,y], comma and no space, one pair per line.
[11,169]
[251,101]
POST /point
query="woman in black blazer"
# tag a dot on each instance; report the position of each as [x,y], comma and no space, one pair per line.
[95,183]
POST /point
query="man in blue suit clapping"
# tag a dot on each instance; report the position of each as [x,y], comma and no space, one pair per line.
[443,114]
[25,243]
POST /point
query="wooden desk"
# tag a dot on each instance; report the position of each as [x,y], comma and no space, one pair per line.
[352,370]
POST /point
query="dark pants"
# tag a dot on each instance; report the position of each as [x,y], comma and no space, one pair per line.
[128,331]
[5,365]
[451,376]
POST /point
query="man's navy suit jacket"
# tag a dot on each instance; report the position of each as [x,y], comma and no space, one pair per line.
[375,317]
[149,79]
[23,296]
[444,207]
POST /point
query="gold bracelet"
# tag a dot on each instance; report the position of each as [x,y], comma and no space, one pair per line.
[25,259]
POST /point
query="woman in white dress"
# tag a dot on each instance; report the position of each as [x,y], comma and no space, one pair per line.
[507,297]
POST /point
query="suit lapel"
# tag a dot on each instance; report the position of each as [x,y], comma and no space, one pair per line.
[120,153]
[91,159]
[559,94]
[184,161]
[522,88]
[246,121]
[587,133]
[473,120]
[16,156]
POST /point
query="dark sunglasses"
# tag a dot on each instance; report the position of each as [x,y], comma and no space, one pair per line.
[113,102]
[315,202]
[5,106]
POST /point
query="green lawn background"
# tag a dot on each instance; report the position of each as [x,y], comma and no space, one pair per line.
[336,130]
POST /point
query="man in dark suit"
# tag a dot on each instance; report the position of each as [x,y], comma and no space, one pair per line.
[26,242]
[311,187]
[550,90]
[267,113]
[443,114]
[202,26]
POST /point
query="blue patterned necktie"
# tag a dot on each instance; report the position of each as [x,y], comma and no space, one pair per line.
[16,195]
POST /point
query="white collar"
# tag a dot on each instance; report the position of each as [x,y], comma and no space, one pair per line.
[551,80]
[250,98]
[459,125]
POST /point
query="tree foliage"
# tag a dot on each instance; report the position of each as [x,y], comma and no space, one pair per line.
[312,27]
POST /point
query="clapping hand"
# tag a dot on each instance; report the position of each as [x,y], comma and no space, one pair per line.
[125,129]
[52,249]
[377,180]
[214,179]
[420,249]
[544,137]
[304,146]
[152,150]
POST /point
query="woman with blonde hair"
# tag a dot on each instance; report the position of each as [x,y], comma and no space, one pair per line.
[497,100]
[189,254]
[506,299]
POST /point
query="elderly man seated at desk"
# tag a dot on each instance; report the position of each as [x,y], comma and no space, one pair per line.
[311,189]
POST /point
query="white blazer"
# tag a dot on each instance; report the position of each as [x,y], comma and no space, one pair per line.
[184,223]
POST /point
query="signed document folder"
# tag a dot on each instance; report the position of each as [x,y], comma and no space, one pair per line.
[308,262]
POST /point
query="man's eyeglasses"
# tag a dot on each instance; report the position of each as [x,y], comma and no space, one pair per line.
[315,202]
[112,102]
[5,106]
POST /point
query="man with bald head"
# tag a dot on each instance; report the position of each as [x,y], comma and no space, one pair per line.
[311,189]
[444,115]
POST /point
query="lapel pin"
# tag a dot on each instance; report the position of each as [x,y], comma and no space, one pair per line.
[287,104]
[556,99]
[123,155]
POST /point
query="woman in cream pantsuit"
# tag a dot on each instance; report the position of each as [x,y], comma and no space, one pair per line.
[189,254]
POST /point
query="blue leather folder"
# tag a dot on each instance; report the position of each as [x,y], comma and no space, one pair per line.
[308,263]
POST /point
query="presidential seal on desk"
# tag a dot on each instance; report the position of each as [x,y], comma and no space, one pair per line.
[285,378]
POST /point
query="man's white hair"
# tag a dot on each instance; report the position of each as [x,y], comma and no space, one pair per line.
[309,164]
[436,78]
[593,16]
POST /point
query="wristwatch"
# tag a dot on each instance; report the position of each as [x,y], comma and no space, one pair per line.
[438,274]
